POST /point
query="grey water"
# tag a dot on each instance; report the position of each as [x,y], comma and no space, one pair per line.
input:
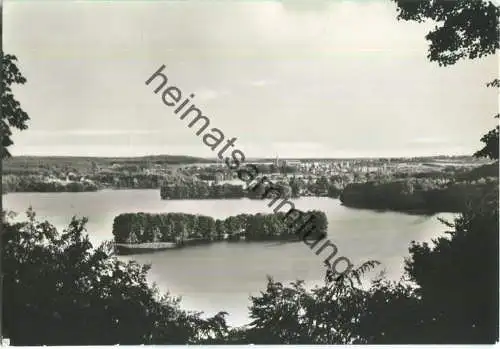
[222,276]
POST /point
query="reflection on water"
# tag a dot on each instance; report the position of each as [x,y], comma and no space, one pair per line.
[223,275]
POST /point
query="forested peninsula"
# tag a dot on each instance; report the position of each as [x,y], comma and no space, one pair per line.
[424,195]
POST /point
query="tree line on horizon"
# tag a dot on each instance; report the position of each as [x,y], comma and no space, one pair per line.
[60,290]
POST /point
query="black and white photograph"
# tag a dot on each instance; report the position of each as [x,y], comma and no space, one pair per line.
[279,172]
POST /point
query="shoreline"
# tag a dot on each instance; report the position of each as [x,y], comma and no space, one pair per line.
[152,247]
[413,212]
[146,247]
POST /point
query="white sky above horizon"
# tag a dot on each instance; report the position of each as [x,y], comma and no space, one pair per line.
[290,78]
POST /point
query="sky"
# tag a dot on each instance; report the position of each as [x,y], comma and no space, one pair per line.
[286,78]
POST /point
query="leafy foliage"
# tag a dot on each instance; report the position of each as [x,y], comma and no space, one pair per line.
[490,148]
[132,228]
[11,183]
[454,296]
[458,277]
[469,29]
[59,290]
[421,194]
[466,29]
[490,140]
[13,116]
[328,314]
[449,295]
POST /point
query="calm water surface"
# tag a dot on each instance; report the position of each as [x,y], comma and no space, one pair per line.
[222,276]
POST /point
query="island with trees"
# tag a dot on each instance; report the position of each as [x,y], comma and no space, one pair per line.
[145,232]
[87,296]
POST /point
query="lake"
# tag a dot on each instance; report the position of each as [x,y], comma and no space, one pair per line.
[223,275]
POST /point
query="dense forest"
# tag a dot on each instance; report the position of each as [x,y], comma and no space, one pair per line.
[59,289]
[86,295]
[205,190]
[174,184]
[453,297]
[423,194]
[12,183]
[135,228]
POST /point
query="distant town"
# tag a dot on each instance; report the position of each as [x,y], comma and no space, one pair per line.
[305,177]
